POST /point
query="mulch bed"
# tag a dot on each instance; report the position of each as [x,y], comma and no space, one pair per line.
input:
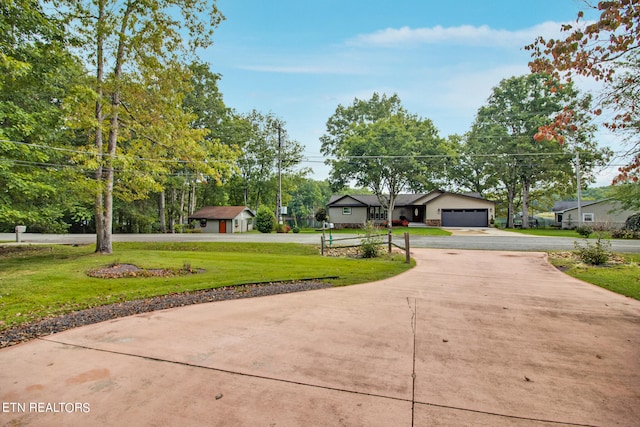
[28,331]
[117,271]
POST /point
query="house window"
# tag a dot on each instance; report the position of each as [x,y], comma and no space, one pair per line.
[346,210]
[588,217]
[203,223]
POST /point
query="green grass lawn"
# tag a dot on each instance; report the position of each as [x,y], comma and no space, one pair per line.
[621,276]
[43,281]
[555,232]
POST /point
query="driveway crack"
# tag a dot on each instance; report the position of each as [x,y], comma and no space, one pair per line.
[414,310]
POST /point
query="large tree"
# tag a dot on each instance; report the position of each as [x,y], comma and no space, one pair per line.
[40,189]
[622,97]
[606,50]
[471,168]
[120,37]
[166,149]
[377,144]
[505,128]
[307,197]
[262,140]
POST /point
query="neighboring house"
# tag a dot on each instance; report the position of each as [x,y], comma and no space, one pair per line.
[607,213]
[437,208]
[223,219]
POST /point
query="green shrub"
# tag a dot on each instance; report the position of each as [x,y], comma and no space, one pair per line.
[371,241]
[623,233]
[633,222]
[296,230]
[321,215]
[265,220]
[597,253]
[282,228]
[584,230]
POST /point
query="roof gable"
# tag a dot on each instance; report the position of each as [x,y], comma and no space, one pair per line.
[353,200]
[586,204]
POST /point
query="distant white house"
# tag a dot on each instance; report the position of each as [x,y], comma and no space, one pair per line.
[223,219]
[607,213]
[437,208]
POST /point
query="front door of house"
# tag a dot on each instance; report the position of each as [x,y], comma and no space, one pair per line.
[222,226]
[418,214]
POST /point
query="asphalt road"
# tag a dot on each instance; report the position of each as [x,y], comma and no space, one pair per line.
[515,243]
[497,240]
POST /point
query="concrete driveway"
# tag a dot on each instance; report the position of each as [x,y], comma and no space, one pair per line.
[482,338]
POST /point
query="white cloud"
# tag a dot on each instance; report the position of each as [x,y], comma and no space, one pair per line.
[462,35]
[339,69]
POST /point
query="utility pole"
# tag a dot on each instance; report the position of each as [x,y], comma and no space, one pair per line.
[279,202]
[579,188]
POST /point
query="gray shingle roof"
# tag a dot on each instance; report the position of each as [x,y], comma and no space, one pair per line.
[219,212]
[401,200]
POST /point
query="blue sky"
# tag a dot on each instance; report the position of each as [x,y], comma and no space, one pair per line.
[300,59]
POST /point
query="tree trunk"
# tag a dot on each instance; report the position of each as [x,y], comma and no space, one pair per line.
[257,200]
[525,204]
[192,199]
[183,192]
[161,212]
[103,244]
[99,202]
[510,208]
[390,208]
[172,211]
[106,246]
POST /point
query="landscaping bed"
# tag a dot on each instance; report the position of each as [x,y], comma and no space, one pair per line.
[28,331]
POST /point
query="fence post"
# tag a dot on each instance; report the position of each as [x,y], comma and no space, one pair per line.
[322,245]
[406,247]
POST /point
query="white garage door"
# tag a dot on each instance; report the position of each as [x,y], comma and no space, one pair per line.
[465,218]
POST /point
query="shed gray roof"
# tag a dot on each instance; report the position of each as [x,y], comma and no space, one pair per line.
[219,212]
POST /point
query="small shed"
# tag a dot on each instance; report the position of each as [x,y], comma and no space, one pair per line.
[224,219]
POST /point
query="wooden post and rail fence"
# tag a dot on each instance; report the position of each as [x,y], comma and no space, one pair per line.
[388,242]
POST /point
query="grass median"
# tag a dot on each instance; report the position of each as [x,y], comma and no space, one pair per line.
[620,275]
[37,282]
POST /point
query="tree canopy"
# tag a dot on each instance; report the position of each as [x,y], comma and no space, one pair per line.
[504,131]
[109,122]
[36,74]
[605,50]
[377,144]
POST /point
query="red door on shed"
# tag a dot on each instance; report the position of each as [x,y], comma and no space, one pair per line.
[223,226]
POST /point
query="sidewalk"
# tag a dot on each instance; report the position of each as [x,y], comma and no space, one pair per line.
[479,338]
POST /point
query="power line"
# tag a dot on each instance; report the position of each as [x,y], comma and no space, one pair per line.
[306,159]
[116,156]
